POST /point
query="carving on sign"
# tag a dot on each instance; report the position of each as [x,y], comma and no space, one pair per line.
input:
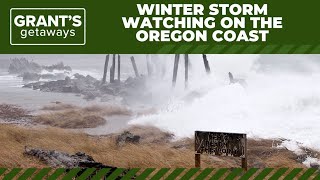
[220,144]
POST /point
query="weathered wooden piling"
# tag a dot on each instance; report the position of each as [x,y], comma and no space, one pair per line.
[149,68]
[206,63]
[111,73]
[113,69]
[186,70]
[104,78]
[134,66]
[175,70]
[231,79]
[119,67]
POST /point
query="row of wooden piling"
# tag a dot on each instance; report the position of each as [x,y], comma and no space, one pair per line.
[175,68]
[186,68]
[113,68]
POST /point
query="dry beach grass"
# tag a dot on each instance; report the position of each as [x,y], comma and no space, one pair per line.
[70,119]
[156,149]
[11,111]
[74,117]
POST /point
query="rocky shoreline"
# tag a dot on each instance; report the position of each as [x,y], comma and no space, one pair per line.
[92,88]
[132,90]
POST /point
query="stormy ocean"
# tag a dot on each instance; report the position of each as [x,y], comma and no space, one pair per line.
[281,98]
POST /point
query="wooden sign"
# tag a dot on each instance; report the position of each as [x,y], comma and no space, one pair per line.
[221,144]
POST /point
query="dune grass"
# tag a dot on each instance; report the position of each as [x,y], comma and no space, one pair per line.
[70,119]
[156,149]
[12,112]
[74,117]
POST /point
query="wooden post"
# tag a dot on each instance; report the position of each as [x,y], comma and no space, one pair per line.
[175,70]
[244,162]
[119,67]
[149,65]
[197,160]
[104,78]
[186,70]
[113,69]
[111,74]
[134,66]
[206,63]
[231,78]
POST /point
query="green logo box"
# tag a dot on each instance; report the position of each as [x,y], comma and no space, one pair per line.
[47,26]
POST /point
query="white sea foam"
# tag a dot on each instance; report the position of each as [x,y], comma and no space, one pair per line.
[274,105]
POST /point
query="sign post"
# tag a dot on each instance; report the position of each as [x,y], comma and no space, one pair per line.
[197,160]
[244,162]
[221,144]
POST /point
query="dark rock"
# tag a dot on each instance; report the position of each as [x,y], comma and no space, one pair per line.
[130,91]
[45,89]
[47,76]
[58,66]
[90,79]
[138,82]
[60,159]
[86,79]
[68,80]
[27,76]
[315,165]
[78,76]
[67,89]
[56,76]
[53,86]
[106,89]
[127,137]
[36,86]
[81,84]
[107,97]
[91,94]
[32,70]
[57,159]
[30,85]
[84,83]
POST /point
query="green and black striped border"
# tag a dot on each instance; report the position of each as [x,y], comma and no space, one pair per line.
[239,49]
[155,174]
